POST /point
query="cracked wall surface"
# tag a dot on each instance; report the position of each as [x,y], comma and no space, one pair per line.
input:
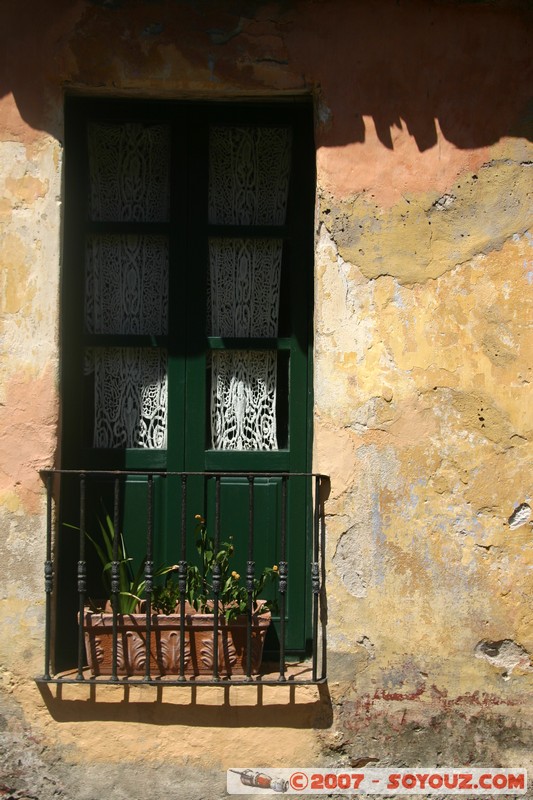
[423,354]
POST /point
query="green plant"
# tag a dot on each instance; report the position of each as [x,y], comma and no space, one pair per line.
[166,598]
[132,583]
[233,595]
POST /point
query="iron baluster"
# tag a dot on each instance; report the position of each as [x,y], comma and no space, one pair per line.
[315,577]
[149,573]
[82,579]
[250,574]
[115,579]
[216,581]
[283,572]
[323,608]
[182,574]
[48,577]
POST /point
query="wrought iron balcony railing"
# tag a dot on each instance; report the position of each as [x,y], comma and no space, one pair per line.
[88,641]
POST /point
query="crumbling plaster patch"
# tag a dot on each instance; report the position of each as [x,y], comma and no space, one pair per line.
[394,339]
[30,183]
[454,417]
[425,725]
[360,552]
[440,543]
[506,655]
[520,516]
[453,412]
[423,236]
[22,625]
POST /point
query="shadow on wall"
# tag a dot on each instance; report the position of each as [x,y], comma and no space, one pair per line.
[224,707]
[460,67]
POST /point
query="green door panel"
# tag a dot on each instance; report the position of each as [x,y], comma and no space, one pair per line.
[185,341]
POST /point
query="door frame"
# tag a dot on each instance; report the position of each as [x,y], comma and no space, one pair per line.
[184,450]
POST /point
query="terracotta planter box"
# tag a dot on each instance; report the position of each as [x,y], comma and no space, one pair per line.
[165,643]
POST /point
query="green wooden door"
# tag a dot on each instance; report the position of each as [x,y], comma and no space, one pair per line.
[187,317]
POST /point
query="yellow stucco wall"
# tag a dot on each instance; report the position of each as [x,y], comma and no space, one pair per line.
[423,358]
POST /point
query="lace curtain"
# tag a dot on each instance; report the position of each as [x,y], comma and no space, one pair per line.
[126,284]
[130,397]
[248,185]
[129,168]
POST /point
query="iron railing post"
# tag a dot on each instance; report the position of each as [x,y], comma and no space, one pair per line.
[250,577]
[315,576]
[283,576]
[182,574]
[216,581]
[149,573]
[48,577]
[82,580]
[115,578]
[323,607]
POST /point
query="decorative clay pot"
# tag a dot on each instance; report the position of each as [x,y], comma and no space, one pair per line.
[165,643]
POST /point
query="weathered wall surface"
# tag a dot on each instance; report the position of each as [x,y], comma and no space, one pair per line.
[423,358]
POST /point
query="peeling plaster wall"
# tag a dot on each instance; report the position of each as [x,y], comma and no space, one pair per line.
[423,358]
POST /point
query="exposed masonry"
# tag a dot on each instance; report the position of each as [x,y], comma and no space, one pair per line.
[444,202]
[520,516]
[504,654]
[369,646]
[348,554]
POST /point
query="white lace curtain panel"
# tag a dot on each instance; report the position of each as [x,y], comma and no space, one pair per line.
[127,282]
[248,185]
[129,172]
[130,397]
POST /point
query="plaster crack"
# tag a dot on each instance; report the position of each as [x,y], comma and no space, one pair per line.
[266,60]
